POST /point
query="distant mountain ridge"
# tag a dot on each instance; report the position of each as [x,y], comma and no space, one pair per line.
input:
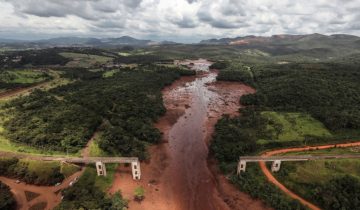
[299,41]
[85,42]
[280,39]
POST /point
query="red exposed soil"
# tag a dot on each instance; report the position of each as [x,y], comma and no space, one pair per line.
[47,194]
[273,180]
[178,176]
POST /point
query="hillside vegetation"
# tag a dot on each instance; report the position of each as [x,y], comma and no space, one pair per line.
[7,201]
[84,60]
[331,187]
[21,78]
[295,104]
[87,194]
[35,172]
[66,117]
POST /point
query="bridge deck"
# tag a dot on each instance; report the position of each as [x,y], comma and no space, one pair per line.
[296,157]
[71,159]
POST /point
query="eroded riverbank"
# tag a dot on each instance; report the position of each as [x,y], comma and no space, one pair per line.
[178,176]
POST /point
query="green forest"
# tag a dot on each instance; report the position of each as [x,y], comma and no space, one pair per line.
[327,91]
[86,195]
[331,187]
[35,172]
[65,117]
[295,104]
[7,201]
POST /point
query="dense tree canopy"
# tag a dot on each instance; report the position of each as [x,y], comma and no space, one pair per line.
[66,117]
[339,193]
[7,201]
[328,91]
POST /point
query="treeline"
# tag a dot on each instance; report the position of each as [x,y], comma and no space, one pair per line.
[80,74]
[13,168]
[47,122]
[66,117]
[328,91]
[340,193]
[43,57]
[236,136]
[7,79]
[7,201]
[9,86]
[256,185]
[87,50]
[84,194]
[139,59]
[234,71]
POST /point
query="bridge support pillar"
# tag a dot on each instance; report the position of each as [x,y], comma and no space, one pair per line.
[100,168]
[241,166]
[275,167]
[135,169]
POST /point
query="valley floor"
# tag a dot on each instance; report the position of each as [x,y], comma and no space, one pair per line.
[178,175]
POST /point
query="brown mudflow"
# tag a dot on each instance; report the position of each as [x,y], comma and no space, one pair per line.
[178,176]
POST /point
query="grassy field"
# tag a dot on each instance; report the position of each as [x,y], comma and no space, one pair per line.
[136,52]
[23,76]
[68,169]
[110,73]
[331,151]
[293,126]
[84,60]
[95,150]
[105,182]
[303,174]
[55,82]
[304,177]
[43,169]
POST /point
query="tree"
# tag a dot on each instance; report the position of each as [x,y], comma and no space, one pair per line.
[139,194]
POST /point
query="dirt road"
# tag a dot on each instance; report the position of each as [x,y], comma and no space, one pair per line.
[48,194]
[11,94]
[178,176]
[273,180]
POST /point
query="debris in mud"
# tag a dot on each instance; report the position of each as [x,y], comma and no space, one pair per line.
[153,181]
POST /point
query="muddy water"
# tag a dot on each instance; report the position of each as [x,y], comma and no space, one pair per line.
[178,175]
[188,149]
[194,183]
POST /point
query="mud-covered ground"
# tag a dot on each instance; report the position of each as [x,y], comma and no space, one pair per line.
[179,175]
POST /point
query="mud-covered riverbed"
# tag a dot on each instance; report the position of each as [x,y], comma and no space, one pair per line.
[178,176]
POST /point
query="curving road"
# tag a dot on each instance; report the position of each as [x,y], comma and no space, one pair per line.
[273,180]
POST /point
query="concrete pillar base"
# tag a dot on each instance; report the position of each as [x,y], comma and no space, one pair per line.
[275,167]
[100,168]
[135,169]
[241,166]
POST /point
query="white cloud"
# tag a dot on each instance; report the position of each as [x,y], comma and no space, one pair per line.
[176,19]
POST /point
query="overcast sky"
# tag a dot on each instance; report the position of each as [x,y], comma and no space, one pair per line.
[176,20]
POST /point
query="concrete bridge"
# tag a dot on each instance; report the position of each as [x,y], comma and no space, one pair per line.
[99,161]
[278,159]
